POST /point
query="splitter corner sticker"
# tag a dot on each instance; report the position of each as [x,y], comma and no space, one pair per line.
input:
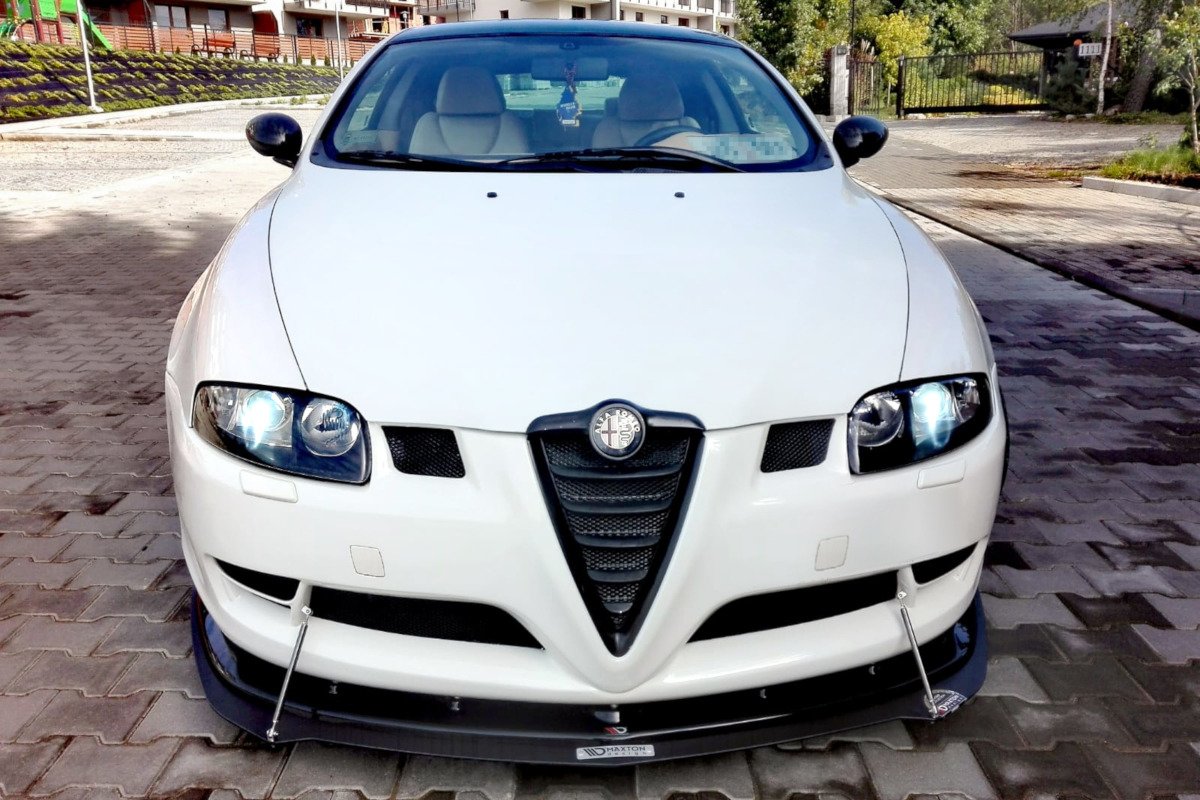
[614,751]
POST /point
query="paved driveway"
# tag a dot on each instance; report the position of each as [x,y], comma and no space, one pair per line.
[1090,589]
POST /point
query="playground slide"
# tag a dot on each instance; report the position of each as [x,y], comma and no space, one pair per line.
[48,12]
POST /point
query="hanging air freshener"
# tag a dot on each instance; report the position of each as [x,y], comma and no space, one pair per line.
[569,110]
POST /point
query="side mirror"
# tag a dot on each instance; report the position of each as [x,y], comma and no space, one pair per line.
[856,138]
[275,135]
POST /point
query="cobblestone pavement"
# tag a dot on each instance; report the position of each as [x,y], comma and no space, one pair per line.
[1144,250]
[1090,586]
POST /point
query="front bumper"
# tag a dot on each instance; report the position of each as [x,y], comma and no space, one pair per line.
[243,689]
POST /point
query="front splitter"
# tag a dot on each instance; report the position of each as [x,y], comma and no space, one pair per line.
[243,689]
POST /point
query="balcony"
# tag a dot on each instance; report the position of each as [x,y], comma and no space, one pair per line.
[350,9]
[697,7]
[446,8]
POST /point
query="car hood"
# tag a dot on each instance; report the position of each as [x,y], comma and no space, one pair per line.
[421,298]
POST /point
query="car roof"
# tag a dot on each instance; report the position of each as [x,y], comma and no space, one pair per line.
[551,27]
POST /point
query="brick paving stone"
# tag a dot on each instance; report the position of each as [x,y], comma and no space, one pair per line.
[1055,580]
[38,548]
[11,665]
[1174,647]
[978,718]
[71,713]
[892,734]
[1165,683]
[1103,676]
[1110,611]
[1129,581]
[312,765]
[1044,609]
[157,672]
[90,675]
[122,549]
[43,633]
[725,775]
[17,710]
[839,770]
[135,633]
[89,763]
[1062,772]
[1136,775]
[1179,612]
[251,771]
[1069,555]
[78,522]
[899,774]
[565,783]
[1155,725]
[121,601]
[22,764]
[1044,725]
[1086,645]
[26,571]
[1008,677]
[175,714]
[102,572]
[1023,641]
[64,605]
[422,775]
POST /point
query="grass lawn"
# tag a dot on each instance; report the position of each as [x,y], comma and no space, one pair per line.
[1177,166]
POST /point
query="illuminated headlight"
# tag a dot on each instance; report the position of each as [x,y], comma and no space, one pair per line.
[286,430]
[911,422]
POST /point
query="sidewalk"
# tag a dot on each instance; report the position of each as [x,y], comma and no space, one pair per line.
[1142,250]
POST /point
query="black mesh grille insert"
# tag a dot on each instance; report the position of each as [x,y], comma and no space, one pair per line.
[425,451]
[794,445]
[926,571]
[616,519]
[764,612]
[431,619]
[270,585]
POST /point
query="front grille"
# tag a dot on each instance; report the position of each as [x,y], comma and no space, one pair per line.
[764,612]
[616,520]
[280,588]
[431,619]
[425,451]
[795,445]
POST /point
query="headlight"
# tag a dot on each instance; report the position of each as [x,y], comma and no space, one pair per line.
[918,420]
[291,431]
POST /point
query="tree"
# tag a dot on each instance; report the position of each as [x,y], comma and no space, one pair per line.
[897,36]
[956,26]
[1181,59]
[1108,33]
[773,27]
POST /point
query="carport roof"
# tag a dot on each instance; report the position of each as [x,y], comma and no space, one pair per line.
[1069,28]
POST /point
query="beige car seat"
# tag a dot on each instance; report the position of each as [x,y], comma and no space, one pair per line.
[469,118]
[646,103]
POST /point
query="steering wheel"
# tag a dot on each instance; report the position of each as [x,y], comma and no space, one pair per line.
[658,134]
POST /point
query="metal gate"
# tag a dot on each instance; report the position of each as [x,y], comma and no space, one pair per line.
[870,92]
[985,82]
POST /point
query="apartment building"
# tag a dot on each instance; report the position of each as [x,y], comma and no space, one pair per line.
[707,15]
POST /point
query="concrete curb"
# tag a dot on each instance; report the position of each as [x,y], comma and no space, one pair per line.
[1154,191]
[108,135]
[8,130]
[1177,305]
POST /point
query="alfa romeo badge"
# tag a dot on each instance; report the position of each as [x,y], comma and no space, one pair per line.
[617,431]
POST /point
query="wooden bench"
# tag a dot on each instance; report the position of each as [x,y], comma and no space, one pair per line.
[215,42]
[265,45]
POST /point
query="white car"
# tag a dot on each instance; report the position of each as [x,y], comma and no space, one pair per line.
[570,403]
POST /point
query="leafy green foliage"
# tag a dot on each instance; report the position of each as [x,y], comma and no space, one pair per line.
[773,28]
[1066,87]
[42,81]
[1181,59]
[895,36]
[955,26]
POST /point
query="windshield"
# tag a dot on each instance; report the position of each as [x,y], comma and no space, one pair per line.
[566,102]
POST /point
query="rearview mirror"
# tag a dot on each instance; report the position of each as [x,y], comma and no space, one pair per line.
[277,136]
[856,138]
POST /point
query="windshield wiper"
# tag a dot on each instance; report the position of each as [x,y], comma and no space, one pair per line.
[624,157]
[383,158]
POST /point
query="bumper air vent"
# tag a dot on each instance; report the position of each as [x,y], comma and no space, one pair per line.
[282,589]
[430,619]
[934,568]
[795,445]
[425,451]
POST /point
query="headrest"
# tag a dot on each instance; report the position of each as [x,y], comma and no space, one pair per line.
[610,107]
[469,90]
[650,98]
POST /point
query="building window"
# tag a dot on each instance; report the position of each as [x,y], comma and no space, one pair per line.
[639,16]
[578,12]
[622,14]
[663,19]
[683,22]
[170,16]
[308,27]
[725,29]
[504,13]
[218,19]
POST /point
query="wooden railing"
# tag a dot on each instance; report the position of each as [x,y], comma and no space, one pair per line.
[200,39]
